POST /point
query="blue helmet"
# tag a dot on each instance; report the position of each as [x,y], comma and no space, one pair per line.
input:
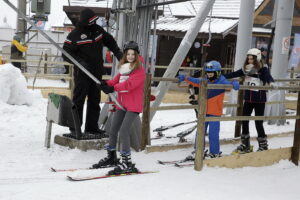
[212,66]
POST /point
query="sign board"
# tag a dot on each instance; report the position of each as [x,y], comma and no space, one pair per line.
[285,45]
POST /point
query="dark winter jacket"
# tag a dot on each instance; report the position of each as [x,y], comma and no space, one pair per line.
[262,77]
[85,44]
[17,50]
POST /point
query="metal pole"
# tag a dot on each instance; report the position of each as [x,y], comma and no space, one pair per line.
[182,51]
[243,44]
[284,17]
[244,36]
[153,53]
[21,24]
[282,38]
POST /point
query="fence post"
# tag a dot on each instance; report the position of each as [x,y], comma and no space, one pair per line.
[145,139]
[46,65]
[200,135]
[296,143]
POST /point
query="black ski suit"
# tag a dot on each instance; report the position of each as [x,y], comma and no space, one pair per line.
[85,44]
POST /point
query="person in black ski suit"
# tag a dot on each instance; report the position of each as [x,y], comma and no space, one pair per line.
[85,44]
[256,74]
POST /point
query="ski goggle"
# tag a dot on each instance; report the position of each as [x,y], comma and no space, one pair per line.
[209,66]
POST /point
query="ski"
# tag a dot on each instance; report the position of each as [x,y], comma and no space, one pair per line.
[86,178]
[184,133]
[172,161]
[76,169]
[159,137]
[181,165]
[163,128]
[179,135]
[69,170]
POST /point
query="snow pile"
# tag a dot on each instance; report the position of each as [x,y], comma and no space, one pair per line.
[13,86]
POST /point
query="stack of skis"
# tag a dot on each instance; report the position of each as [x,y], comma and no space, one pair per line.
[181,135]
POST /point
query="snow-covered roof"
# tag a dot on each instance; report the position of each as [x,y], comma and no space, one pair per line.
[92,3]
[217,25]
[221,8]
[225,15]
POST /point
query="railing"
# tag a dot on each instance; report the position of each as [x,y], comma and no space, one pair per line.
[201,107]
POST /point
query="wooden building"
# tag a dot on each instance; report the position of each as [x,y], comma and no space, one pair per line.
[223,30]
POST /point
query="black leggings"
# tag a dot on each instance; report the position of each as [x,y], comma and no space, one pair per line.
[259,109]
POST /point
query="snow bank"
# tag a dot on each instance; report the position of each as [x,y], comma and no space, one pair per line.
[13,86]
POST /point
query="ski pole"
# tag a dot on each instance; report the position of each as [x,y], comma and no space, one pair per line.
[61,49]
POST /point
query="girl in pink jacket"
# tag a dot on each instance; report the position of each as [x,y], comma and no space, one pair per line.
[129,85]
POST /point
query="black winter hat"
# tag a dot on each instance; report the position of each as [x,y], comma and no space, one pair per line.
[131,45]
[87,17]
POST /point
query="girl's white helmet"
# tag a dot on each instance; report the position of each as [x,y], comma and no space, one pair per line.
[255,52]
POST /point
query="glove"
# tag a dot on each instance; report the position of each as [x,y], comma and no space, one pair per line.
[274,85]
[107,89]
[181,78]
[235,85]
[103,82]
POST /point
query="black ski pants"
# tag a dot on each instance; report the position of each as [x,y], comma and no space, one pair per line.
[259,109]
[86,87]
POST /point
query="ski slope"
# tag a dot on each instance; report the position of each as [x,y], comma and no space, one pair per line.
[25,163]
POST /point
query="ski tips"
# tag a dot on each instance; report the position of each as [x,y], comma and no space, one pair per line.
[160,162]
[52,169]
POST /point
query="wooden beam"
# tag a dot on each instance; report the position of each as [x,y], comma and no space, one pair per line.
[225,141]
[145,139]
[263,19]
[297,4]
[296,143]
[254,159]
[261,7]
[200,136]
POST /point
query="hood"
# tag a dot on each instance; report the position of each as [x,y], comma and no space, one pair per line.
[87,17]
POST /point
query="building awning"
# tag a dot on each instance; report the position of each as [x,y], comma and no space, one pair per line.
[220,26]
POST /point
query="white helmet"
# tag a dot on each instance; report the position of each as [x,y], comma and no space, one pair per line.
[255,52]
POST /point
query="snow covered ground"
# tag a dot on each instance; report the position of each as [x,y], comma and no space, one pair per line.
[25,163]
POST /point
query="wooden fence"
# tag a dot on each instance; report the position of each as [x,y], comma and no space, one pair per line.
[201,107]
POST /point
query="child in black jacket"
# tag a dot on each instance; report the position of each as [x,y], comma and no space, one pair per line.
[256,74]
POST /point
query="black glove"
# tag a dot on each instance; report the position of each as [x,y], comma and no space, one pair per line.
[103,82]
[107,89]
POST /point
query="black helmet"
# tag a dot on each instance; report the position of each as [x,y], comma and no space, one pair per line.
[16,37]
[131,45]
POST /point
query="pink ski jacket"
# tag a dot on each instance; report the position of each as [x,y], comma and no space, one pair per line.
[131,91]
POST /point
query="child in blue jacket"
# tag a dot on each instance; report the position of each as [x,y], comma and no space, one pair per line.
[215,99]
